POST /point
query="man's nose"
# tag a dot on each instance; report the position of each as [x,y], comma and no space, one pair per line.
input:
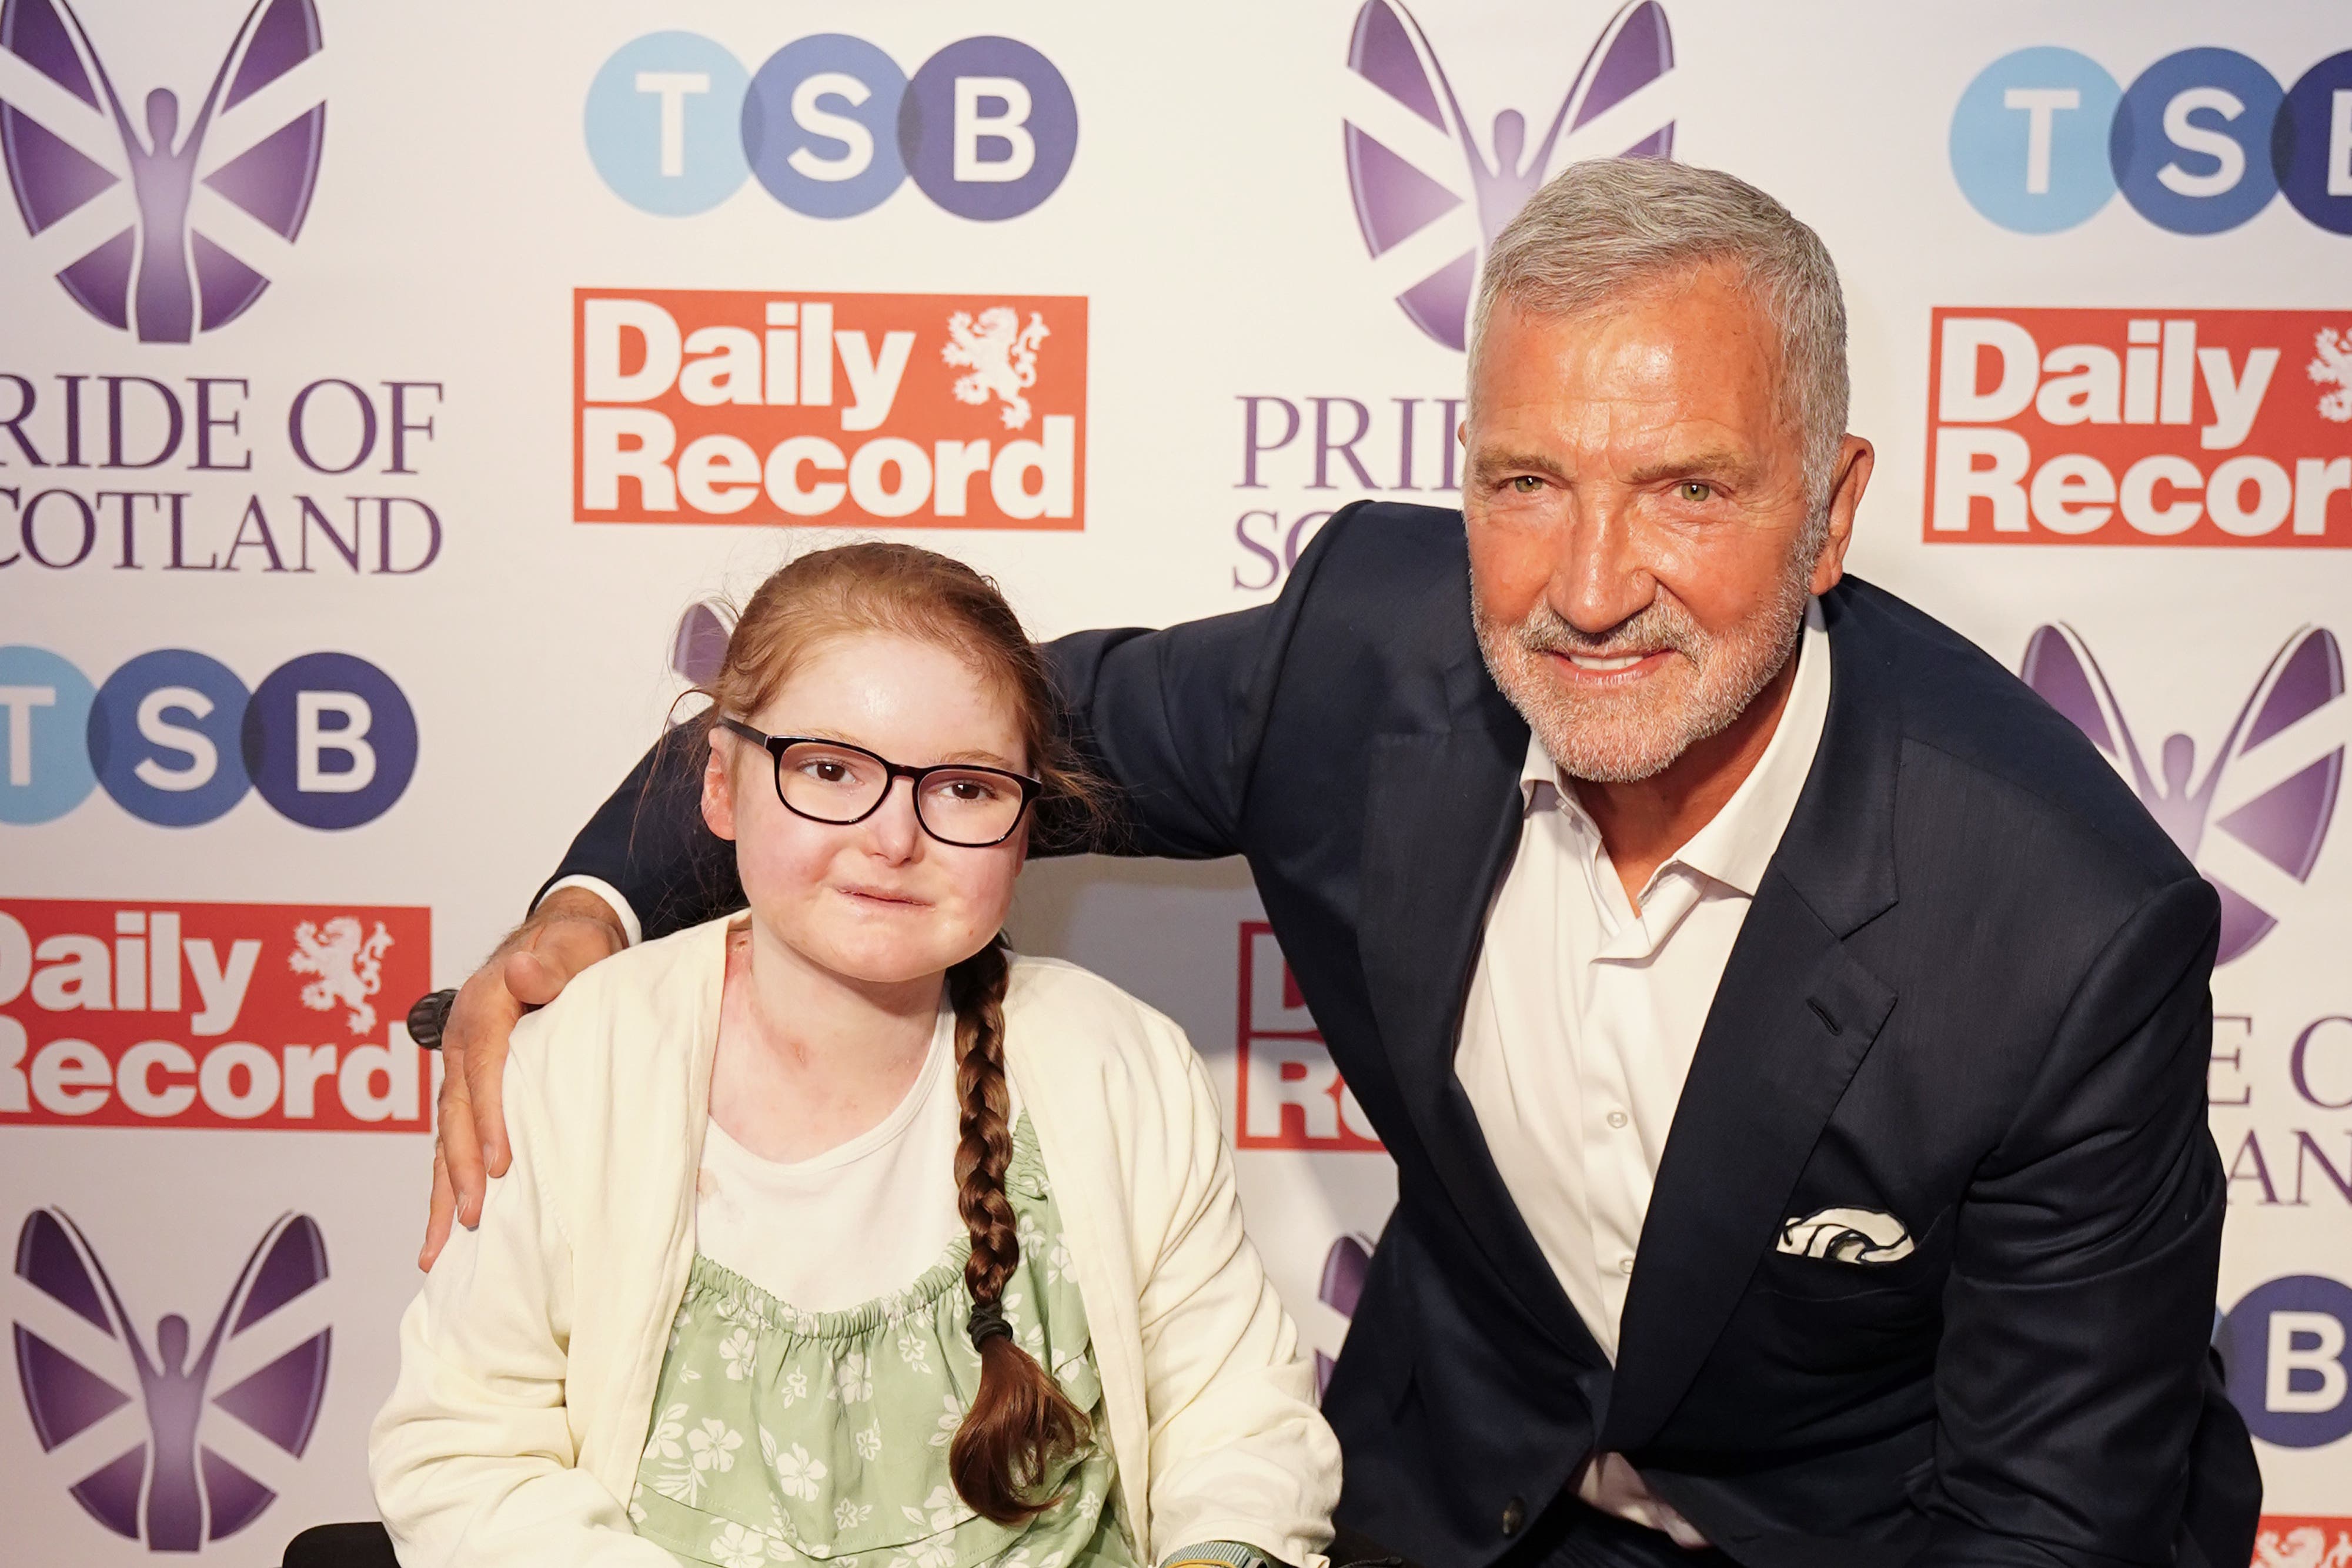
[1599,577]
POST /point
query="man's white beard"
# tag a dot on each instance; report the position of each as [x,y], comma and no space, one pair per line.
[1619,735]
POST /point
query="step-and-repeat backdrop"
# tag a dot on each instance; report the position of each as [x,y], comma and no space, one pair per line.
[383,387]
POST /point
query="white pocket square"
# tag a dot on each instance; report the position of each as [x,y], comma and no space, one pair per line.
[1846,1236]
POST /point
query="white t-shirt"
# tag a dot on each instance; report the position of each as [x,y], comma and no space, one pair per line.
[859,1221]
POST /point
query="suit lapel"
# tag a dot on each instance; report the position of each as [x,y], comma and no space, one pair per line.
[1442,818]
[1792,1018]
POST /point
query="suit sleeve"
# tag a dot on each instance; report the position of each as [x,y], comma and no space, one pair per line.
[2070,1378]
[649,843]
[1175,719]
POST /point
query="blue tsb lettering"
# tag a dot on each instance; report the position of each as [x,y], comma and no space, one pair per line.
[831,127]
[176,739]
[2199,143]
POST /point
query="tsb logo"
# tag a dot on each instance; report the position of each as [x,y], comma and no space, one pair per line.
[177,739]
[830,125]
[2199,143]
[2284,1347]
[1290,1095]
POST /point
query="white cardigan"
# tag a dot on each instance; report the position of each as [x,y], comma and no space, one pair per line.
[529,1360]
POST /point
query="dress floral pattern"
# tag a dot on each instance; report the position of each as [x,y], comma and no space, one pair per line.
[780,1435]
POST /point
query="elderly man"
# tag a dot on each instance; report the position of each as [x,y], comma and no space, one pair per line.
[1791,1035]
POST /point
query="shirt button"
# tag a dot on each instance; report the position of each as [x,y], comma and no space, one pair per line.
[1624,1265]
[1618,1118]
[1515,1514]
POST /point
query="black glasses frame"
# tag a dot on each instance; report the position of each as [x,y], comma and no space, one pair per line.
[777,745]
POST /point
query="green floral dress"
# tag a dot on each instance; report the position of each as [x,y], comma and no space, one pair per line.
[780,1435]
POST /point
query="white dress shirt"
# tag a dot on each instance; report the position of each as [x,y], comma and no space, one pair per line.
[1584,1010]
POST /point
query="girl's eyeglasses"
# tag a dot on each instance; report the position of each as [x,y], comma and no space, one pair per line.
[835,782]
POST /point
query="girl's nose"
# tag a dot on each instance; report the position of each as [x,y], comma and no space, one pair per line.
[895,832]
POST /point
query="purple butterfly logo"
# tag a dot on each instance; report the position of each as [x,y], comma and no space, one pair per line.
[167,1485]
[1344,1267]
[699,647]
[160,262]
[2283,822]
[1398,199]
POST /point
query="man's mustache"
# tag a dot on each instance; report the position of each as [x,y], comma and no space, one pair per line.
[1659,625]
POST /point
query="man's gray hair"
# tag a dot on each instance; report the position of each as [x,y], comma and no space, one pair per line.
[1613,227]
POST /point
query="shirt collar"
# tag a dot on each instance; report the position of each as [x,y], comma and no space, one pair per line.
[1738,843]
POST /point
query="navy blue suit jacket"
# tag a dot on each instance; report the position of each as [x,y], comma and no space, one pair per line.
[1972,993]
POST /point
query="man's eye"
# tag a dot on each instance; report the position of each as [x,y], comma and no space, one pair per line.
[1526,484]
[1694,491]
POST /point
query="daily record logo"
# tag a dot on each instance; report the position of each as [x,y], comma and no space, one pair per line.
[830,125]
[916,410]
[2283,1347]
[176,739]
[157,1432]
[1432,188]
[2303,1541]
[159,203]
[211,1014]
[2199,143]
[2255,816]
[1288,1094]
[2140,427]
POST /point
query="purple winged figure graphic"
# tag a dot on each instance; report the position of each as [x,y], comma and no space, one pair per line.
[2283,824]
[174,1489]
[699,647]
[1344,1267]
[1397,200]
[160,275]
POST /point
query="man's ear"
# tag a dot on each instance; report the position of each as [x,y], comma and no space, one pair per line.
[718,789]
[1855,459]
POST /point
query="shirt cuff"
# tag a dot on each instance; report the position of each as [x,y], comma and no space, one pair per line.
[605,890]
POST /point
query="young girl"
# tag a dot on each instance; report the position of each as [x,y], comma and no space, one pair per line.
[834,1231]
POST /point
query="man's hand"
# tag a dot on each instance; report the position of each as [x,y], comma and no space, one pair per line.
[571,930]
